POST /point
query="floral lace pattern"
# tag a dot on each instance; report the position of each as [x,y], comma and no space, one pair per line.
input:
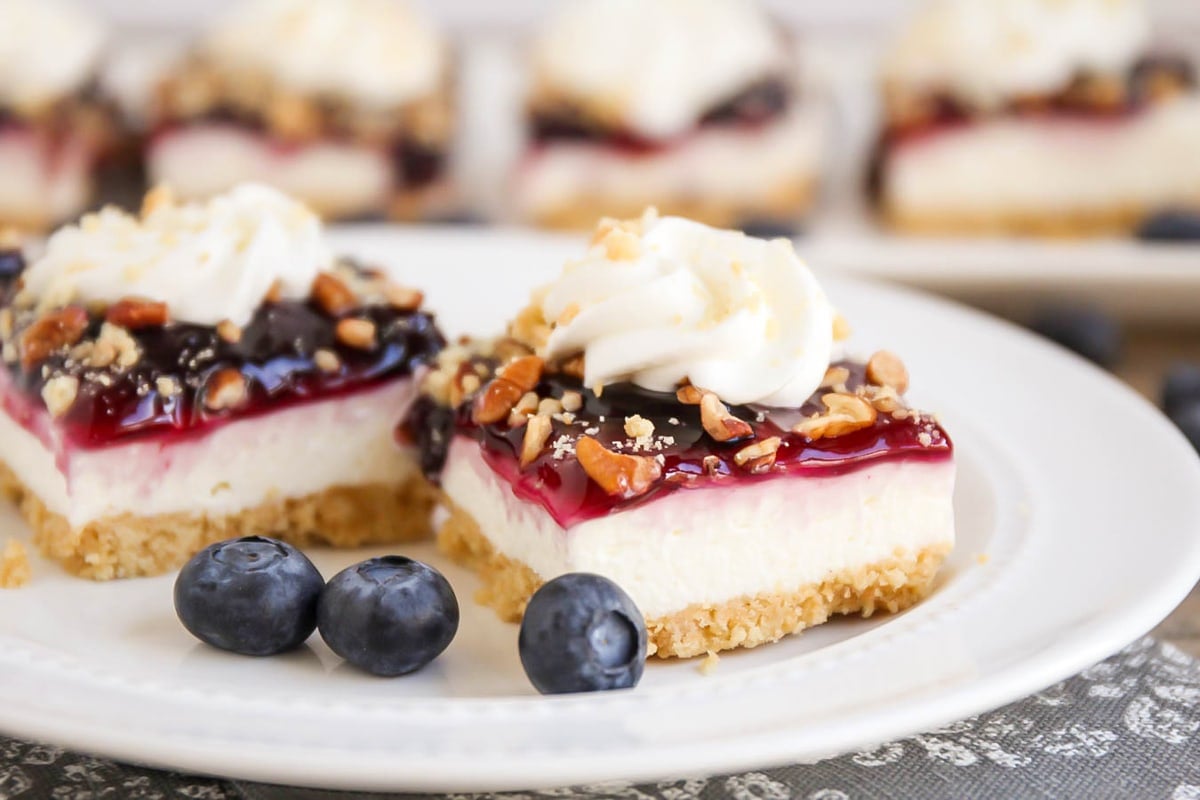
[1126,727]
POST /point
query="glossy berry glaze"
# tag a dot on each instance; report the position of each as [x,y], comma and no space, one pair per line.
[275,355]
[755,106]
[558,483]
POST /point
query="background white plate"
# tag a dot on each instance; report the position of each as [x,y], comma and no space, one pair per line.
[1078,516]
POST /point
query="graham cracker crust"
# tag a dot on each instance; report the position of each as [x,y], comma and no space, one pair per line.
[1065,224]
[892,585]
[128,546]
[787,202]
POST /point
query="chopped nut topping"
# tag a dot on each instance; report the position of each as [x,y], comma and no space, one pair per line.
[573,366]
[689,395]
[883,398]
[50,333]
[572,401]
[924,438]
[226,389]
[841,328]
[402,297]
[506,349]
[59,394]
[846,413]
[469,383]
[718,422]
[326,360]
[550,406]
[530,327]
[356,333]
[525,408]
[229,332]
[133,313]
[886,369]
[639,427]
[495,401]
[115,344]
[167,386]
[333,295]
[760,456]
[524,372]
[618,474]
[835,376]
[160,196]
[537,432]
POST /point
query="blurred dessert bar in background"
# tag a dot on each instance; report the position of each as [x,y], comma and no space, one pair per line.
[344,104]
[690,105]
[1033,117]
[53,129]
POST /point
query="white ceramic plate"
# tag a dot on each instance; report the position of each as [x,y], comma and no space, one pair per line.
[1078,517]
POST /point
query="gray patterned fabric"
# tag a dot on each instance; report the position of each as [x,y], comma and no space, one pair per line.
[1128,727]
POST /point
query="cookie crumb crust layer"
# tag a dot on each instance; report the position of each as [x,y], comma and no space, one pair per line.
[128,546]
[889,586]
[14,566]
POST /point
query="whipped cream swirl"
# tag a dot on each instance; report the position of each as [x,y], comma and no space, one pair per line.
[378,53]
[48,49]
[988,51]
[656,65]
[208,262]
[738,316]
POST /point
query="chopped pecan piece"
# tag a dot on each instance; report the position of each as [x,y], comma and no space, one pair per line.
[59,394]
[50,333]
[759,456]
[226,389]
[133,313]
[688,395]
[886,369]
[719,423]
[402,297]
[356,333]
[229,332]
[845,413]
[332,294]
[618,474]
[537,431]
[495,401]
[525,372]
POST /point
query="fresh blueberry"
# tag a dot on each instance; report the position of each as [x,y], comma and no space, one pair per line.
[1092,334]
[582,633]
[388,616]
[1187,419]
[254,596]
[1171,226]
[1181,388]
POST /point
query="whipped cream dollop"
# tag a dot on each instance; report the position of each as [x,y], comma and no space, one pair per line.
[48,49]
[987,51]
[208,262]
[378,53]
[656,65]
[738,316]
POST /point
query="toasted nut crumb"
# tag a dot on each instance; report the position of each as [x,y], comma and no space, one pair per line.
[572,401]
[115,344]
[718,422]
[469,383]
[924,439]
[525,407]
[50,333]
[689,395]
[226,389]
[638,427]
[229,332]
[507,348]
[160,196]
[332,294]
[133,313]
[841,328]
[530,327]
[712,466]
[759,456]
[886,369]
[549,406]
[709,665]
[883,398]
[167,386]
[326,360]
[573,366]
[356,333]
[537,431]
[495,401]
[618,474]
[835,376]
[845,413]
[402,297]
[59,393]
[524,372]
[14,566]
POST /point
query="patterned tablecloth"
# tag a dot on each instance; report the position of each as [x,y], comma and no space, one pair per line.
[1127,727]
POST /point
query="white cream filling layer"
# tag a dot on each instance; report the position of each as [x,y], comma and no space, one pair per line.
[726,165]
[716,544]
[41,184]
[335,179]
[344,441]
[1050,165]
